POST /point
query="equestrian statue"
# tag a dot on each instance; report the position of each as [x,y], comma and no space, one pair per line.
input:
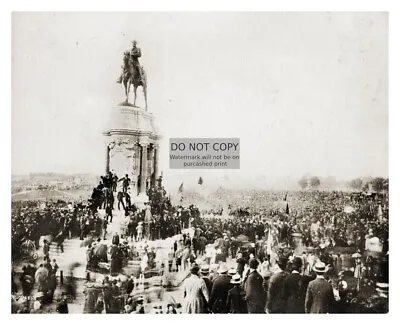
[133,73]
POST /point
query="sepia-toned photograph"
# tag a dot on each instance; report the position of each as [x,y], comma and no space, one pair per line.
[200,163]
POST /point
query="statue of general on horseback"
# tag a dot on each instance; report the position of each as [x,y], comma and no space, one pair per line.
[133,73]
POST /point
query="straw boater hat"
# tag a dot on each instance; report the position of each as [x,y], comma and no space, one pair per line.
[205,269]
[139,298]
[320,267]
[39,294]
[356,255]
[222,269]
[236,279]
[232,272]
[382,287]
[213,267]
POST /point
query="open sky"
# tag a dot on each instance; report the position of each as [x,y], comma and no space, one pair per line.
[305,92]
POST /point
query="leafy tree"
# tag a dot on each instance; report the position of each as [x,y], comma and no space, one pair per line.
[379,184]
[303,183]
[315,182]
[356,184]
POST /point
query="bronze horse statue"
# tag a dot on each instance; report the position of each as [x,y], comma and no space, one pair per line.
[132,77]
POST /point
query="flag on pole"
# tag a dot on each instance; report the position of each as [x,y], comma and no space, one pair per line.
[286,203]
[269,242]
[180,189]
[200,182]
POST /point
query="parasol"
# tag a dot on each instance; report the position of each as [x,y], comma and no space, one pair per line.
[246,245]
[74,265]
[242,238]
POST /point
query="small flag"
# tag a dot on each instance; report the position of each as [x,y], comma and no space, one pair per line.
[200,181]
[180,189]
[287,208]
[285,199]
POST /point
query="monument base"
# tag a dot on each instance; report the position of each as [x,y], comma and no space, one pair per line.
[140,200]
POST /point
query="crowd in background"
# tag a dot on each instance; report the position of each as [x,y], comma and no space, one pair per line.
[325,221]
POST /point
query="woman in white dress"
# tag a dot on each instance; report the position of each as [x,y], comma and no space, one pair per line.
[195,293]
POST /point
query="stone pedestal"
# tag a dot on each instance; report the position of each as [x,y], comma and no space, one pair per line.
[129,136]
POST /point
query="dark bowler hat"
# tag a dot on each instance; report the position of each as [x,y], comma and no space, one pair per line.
[195,268]
[297,262]
[282,262]
[253,263]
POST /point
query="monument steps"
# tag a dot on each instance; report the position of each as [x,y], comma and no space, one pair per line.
[73,253]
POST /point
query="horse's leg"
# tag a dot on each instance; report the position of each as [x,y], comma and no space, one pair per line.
[134,92]
[126,89]
[145,93]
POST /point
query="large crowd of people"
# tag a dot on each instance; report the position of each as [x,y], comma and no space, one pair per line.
[279,256]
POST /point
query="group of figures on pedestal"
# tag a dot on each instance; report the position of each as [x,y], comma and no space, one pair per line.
[133,73]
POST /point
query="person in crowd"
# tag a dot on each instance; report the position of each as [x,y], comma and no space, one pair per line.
[319,296]
[205,273]
[128,201]
[120,197]
[236,301]
[107,295]
[104,226]
[41,275]
[294,288]
[109,212]
[379,303]
[171,255]
[130,285]
[139,231]
[253,286]
[195,293]
[114,182]
[115,239]
[276,298]
[241,262]
[99,306]
[46,249]
[62,306]
[221,286]
[125,183]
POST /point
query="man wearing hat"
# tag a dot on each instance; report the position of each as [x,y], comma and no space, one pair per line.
[253,287]
[139,305]
[213,272]
[219,293]
[125,183]
[205,271]
[294,288]
[195,293]
[62,306]
[276,298]
[319,295]
[379,303]
[235,301]
[37,305]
